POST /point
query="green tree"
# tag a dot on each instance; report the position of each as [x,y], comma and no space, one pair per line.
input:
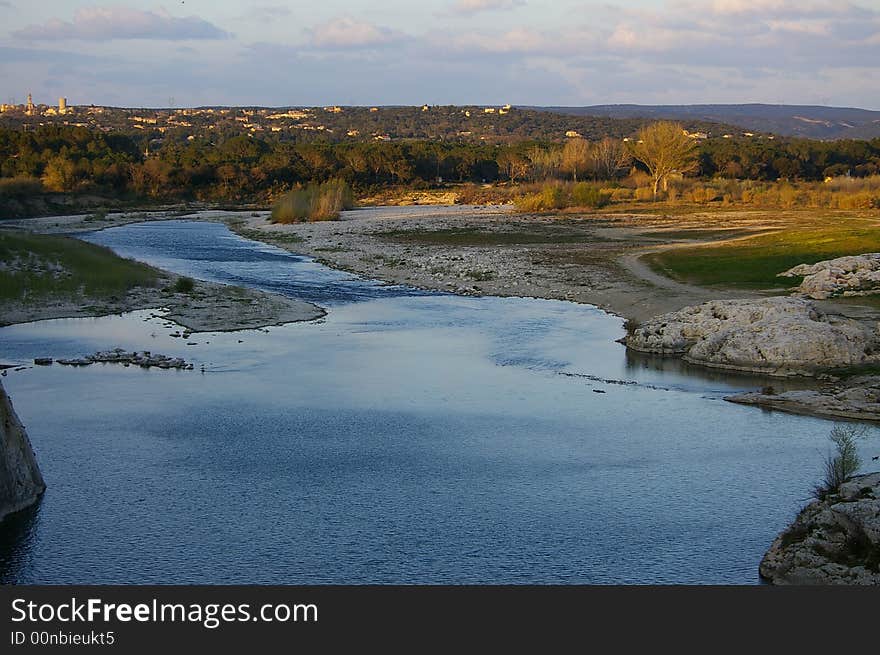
[59,174]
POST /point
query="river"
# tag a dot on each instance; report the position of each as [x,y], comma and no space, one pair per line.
[407,437]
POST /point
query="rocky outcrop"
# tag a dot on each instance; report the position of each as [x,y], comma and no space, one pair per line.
[856,398]
[21,482]
[772,336]
[832,541]
[144,359]
[856,275]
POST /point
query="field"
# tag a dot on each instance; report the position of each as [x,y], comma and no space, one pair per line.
[754,262]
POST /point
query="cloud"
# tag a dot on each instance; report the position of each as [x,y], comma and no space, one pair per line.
[347,33]
[107,23]
[777,35]
[468,7]
[267,14]
[673,51]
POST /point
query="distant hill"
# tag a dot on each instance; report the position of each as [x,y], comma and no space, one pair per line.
[785,120]
[466,124]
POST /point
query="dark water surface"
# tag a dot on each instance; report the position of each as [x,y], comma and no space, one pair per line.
[407,437]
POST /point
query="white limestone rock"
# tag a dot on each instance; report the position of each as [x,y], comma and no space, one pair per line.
[832,541]
[774,336]
[854,275]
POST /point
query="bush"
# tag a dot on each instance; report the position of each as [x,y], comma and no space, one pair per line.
[843,463]
[644,193]
[586,195]
[550,197]
[184,285]
[20,186]
[316,202]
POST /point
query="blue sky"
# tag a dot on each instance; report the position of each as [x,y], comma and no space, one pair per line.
[272,52]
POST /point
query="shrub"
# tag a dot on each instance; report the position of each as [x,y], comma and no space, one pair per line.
[550,197]
[644,193]
[20,186]
[316,202]
[184,285]
[531,202]
[586,195]
[843,463]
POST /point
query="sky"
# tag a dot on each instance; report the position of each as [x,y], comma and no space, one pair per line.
[376,52]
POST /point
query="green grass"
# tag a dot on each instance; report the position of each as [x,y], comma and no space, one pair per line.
[697,234]
[61,267]
[754,263]
[477,237]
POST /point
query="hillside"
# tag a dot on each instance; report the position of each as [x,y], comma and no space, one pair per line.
[460,124]
[809,121]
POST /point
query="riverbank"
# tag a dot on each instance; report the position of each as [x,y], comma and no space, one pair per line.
[491,250]
[601,259]
[47,276]
[208,307]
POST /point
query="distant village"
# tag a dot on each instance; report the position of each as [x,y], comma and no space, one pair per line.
[488,124]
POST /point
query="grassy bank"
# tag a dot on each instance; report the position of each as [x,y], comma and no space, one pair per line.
[39,267]
[754,263]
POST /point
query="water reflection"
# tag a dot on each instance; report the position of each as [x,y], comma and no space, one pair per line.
[638,363]
[18,537]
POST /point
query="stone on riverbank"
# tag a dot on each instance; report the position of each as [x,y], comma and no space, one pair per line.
[832,541]
[857,398]
[855,275]
[772,336]
[21,482]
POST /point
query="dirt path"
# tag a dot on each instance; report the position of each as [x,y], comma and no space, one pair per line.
[634,264]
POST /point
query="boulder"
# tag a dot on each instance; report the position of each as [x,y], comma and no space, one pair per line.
[854,275]
[772,336]
[21,483]
[832,541]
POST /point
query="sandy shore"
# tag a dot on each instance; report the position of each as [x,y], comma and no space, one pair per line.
[78,223]
[592,260]
[485,250]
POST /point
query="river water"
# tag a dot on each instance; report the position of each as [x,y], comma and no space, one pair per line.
[408,437]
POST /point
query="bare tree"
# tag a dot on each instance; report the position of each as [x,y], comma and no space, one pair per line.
[513,164]
[575,157]
[609,158]
[665,149]
[545,162]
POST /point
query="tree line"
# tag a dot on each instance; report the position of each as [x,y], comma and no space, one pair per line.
[70,159]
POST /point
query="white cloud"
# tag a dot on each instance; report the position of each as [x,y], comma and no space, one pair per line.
[107,23]
[814,52]
[347,33]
